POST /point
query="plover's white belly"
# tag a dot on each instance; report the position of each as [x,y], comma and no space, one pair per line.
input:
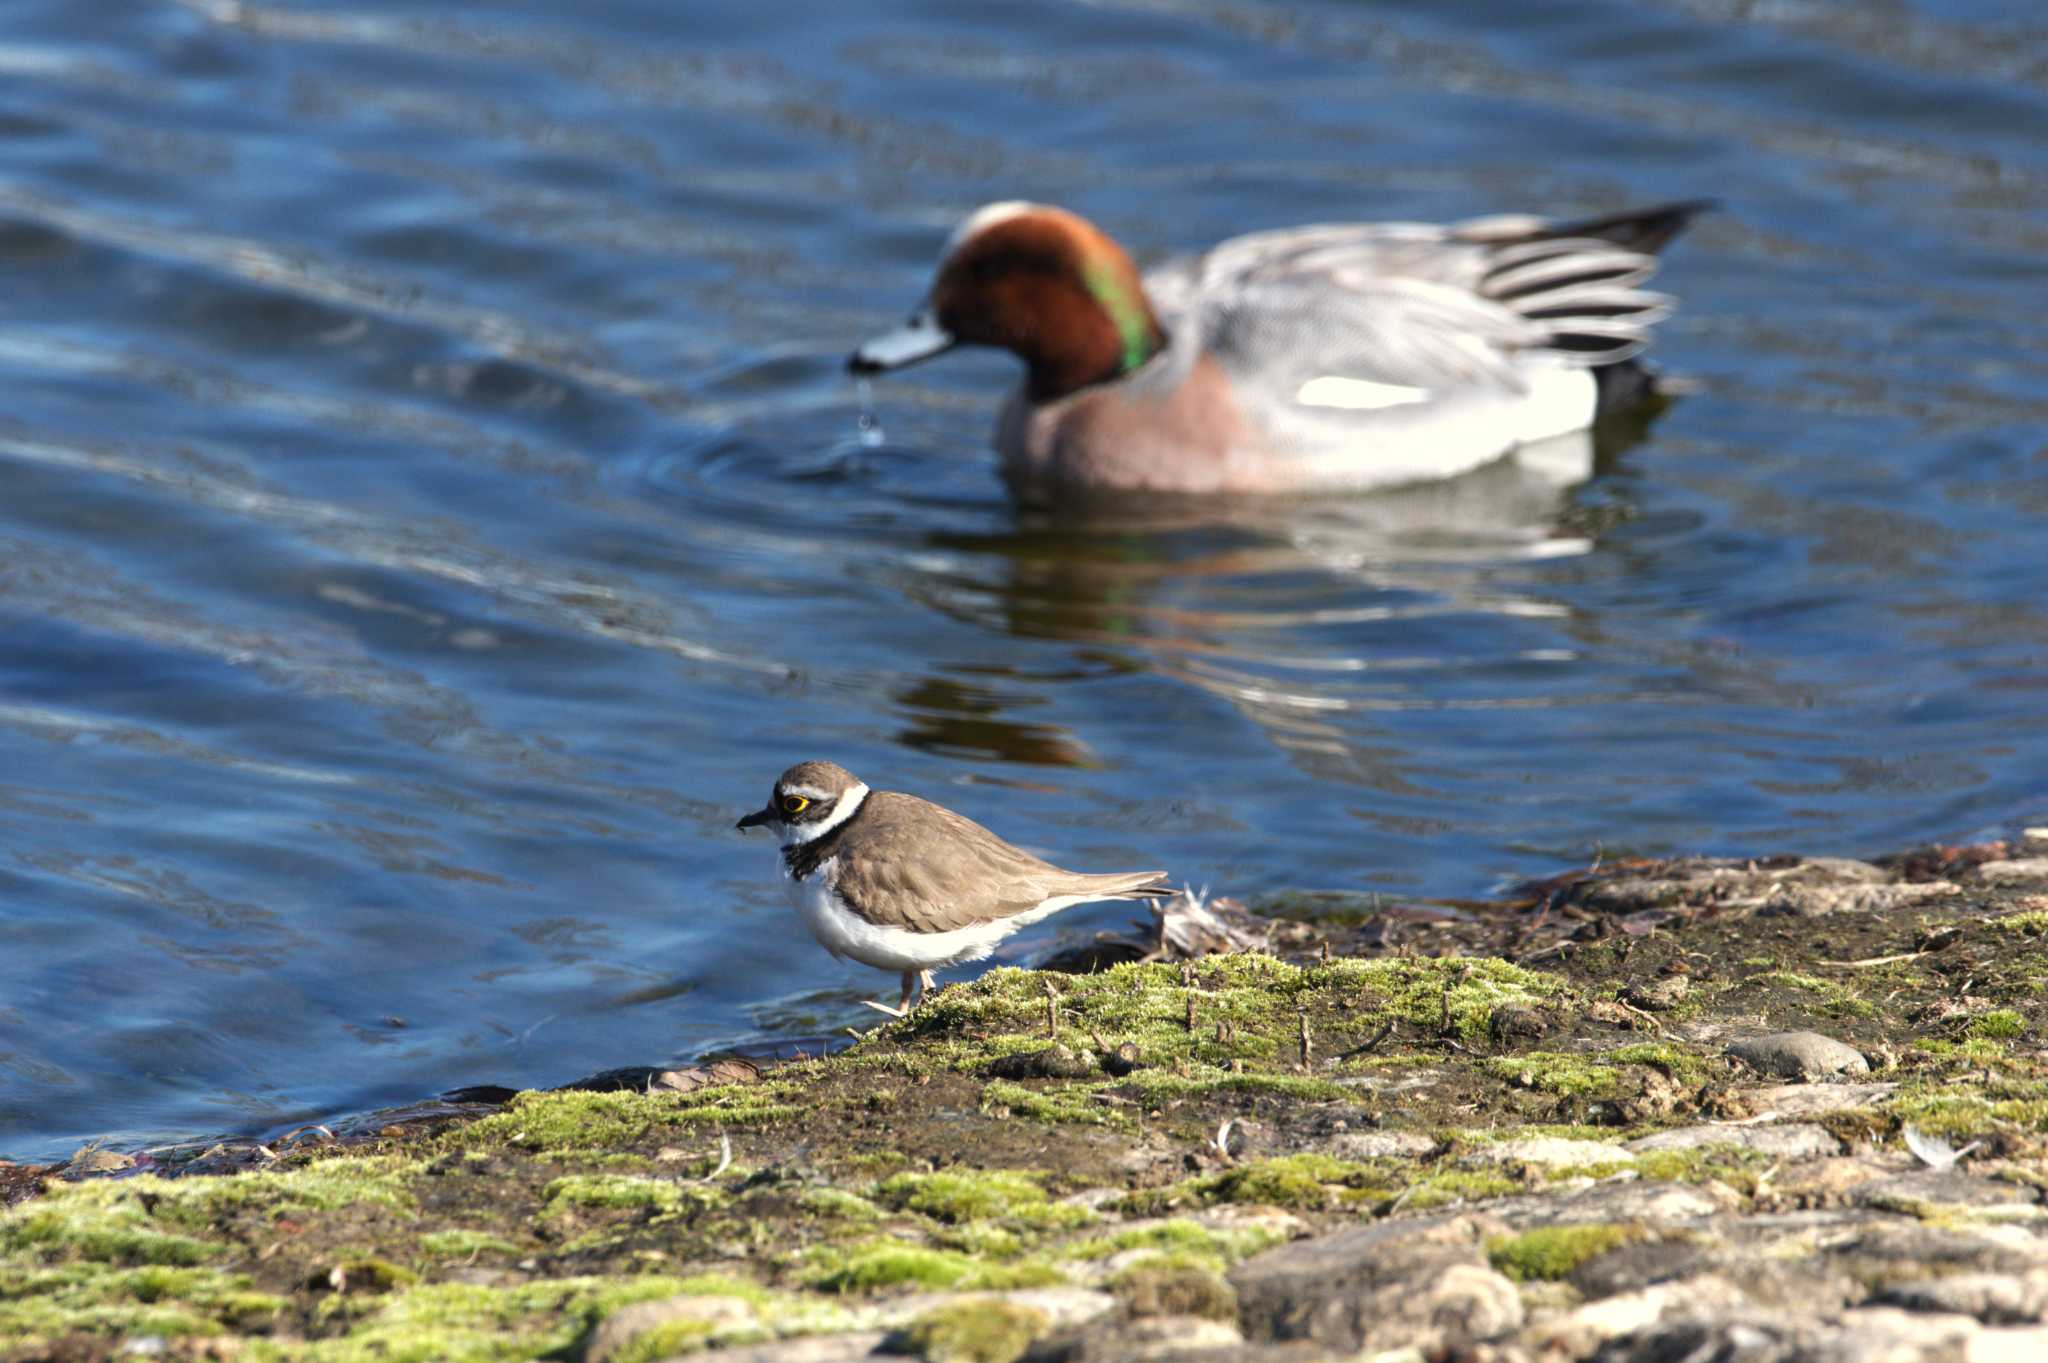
[844,933]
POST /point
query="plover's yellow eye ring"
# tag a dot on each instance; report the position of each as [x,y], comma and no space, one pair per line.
[794,804]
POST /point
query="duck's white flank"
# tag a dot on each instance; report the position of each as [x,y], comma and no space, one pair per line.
[1361,395]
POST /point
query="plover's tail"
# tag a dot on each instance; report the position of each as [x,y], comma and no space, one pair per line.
[1130,885]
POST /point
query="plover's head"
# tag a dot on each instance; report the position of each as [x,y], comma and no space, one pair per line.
[810,800]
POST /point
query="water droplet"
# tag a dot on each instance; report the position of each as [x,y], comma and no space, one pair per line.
[869,421]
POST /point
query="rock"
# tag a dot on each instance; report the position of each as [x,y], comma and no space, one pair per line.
[1381,1145]
[1272,1220]
[1925,1189]
[859,1347]
[1892,1249]
[2007,1346]
[1154,1337]
[1871,1335]
[1792,1141]
[1800,1055]
[698,1315]
[1548,1152]
[2014,872]
[1994,1298]
[1577,1333]
[1062,1307]
[1816,1100]
[1612,1201]
[1422,1284]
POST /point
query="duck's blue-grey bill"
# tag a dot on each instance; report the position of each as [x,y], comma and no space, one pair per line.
[920,338]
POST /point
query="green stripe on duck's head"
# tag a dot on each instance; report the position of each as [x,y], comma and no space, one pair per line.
[1051,287]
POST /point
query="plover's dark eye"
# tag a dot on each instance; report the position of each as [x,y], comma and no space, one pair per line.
[793,804]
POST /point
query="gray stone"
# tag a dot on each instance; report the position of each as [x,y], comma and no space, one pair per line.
[1423,1283]
[1817,1100]
[2014,872]
[1548,1152]
[1870,1335]
[628,1323]
[1064,1307]
[1151,1338]
[1381,1145]
[1891,1248]
[858,1347]
[1612,1200]
[1579,1332]
[2028,1345]
[1947,1188]
[1994,1298]
[1800,1055]
[1792,1141]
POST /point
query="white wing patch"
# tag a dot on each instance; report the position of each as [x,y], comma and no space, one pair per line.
[1358,395]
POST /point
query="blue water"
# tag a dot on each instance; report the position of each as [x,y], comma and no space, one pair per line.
[432,509]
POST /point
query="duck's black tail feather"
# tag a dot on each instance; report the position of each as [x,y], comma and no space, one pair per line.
[1648,230]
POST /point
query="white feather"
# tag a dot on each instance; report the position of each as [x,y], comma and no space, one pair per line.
[844,933]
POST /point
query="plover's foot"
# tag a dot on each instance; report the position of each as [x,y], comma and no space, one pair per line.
[885,1008]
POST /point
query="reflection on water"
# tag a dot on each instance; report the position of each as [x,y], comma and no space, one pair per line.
[432,506]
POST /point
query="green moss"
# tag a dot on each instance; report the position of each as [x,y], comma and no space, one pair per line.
[1159,1085]
[876,1264]
[838,1203]
[1555,1252]
[1177,1237]
[1681,1063]
[2000,1024]
[1308,1181]
[1447,1186]
[1948,1107]
[577,1121]
[1258,998]
[1057,1105]
[975,1332]
[1174,1285]
[1836,1000]
[463,1244]
[154,1299]
[959,1195]
[2033,923]
[610,1190]
[666,1340]
[467,1323]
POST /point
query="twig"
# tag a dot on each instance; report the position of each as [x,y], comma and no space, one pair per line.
[1880,960]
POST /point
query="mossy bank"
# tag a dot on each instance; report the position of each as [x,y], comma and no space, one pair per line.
[1130,1139]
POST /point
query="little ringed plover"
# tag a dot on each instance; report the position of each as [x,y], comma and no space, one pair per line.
[902,884]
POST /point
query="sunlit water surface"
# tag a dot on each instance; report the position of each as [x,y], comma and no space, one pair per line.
[431,506]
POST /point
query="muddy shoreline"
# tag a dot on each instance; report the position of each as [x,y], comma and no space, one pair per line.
[1643,1110]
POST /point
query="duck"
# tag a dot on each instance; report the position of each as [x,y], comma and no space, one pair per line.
[1301,360]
